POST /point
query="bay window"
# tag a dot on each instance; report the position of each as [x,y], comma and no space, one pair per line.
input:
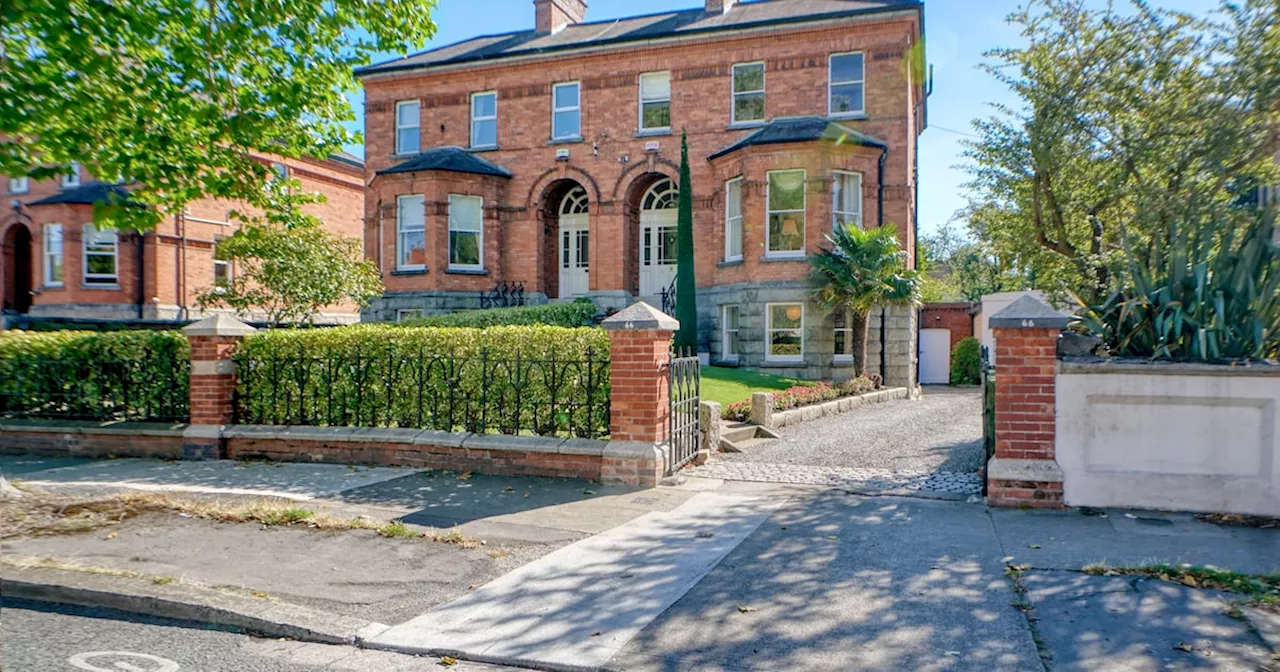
[53,255]
[733,219]
[784,332]
[785,203]
[411,233]
[101,256]
[466,232]
[846,199]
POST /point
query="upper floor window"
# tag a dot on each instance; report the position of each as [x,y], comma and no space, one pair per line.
[846,199]
[101,256]
[466,232]
[655,101]
[845,84]
[221,275]
[19,185]
[733,219]
[408,139]
[53,255]
[72,178]
[784,203]
[566,111]
[411,232]
[484,120]
[281,170]
[748,92]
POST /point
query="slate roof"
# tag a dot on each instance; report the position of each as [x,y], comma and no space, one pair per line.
[88,193]
[452,159]
[802,129]
[677,23]
[347,158]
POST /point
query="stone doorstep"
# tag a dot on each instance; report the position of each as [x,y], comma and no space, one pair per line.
[836,406]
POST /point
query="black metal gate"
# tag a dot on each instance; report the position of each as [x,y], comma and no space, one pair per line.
[684,380]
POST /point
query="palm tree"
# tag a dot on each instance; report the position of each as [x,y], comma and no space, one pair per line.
[863,270]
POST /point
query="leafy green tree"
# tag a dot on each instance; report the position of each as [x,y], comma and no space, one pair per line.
[958,268]
[1127,122]
[173,95]
[860,271]
[686,283]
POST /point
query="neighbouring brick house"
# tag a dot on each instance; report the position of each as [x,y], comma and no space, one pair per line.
[550,157]
[56,264]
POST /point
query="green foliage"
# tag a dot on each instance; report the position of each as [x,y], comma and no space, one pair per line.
[175,95]
[860,271]
[575,314]
[966,362]
[1132,118]
[686,340]
[121,375]
[1209,292]
[291,273]
[959,268]
[513,379]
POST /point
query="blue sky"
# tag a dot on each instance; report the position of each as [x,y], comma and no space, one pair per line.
[957,32]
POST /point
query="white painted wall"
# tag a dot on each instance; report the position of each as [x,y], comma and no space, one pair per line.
[992,304]
[1172,436]
[935,356]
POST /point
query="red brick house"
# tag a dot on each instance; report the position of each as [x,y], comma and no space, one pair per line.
[55,264]
[550,157]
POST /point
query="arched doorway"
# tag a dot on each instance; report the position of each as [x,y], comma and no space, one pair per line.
[17,268]
[658,217]
[575,246]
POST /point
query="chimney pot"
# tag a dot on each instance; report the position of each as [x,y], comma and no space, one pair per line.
[719,6]
[551,16]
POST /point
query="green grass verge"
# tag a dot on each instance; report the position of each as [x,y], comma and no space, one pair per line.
[729,386]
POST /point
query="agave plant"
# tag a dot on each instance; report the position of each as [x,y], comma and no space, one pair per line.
[1207,291]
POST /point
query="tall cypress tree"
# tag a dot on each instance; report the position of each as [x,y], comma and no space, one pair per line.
[686,287]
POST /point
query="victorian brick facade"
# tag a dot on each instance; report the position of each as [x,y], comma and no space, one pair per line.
[549,157]
[56,265]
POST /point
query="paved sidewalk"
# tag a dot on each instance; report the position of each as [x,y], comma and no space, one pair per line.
[937,484]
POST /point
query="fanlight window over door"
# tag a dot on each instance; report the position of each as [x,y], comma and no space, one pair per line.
[661,196]
[574,202]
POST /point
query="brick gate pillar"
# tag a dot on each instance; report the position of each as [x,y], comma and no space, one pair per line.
[639,397]
[213,383]
[1023,471]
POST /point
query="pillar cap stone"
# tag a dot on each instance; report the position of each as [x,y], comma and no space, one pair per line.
[640,316]
[1028,312]
[218,324]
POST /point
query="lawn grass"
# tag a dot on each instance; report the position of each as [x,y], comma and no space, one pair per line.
[729,386]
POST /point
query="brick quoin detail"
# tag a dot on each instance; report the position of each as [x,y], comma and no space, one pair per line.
[1025,413]
[639,399]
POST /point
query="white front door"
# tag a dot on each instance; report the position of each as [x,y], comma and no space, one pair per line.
[657,251]
[574,251]
[935,356]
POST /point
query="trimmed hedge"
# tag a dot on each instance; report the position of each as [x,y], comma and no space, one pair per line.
[576,314]
[512,379]
[119,375]
[805,395]
[966,362]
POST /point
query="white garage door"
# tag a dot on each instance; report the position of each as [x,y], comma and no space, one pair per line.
[935,356]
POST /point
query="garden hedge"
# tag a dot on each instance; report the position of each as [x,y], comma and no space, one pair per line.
[575,314]
[119,375]
[511,379]
[966,362]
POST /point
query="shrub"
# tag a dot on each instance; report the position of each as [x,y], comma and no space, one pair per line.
[575,314]
[511,379]
[119,375]
[804,395]
[966,362]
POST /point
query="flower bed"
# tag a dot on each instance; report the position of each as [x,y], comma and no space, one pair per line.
[805,395]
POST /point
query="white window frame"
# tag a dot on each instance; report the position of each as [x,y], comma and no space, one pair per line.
[466,267]
[641,101]
[734,93]
[475,119]
[730,221]
[72,179]
[404,314]
[49,253]
[555,109]
[417,124]
[769,329]
[725,355]
[831,84]
[19,185]
[768,216]
[401,230]
[99,279]
[835,204]
[843,332]
[281,170]
[224,263]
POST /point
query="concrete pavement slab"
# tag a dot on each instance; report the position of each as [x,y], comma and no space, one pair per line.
[1133,623]
[577,607]
[19,466]
[840,582]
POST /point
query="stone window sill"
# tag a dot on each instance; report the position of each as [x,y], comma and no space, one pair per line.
[730,262]
[848,116]
[484,148]
[115,287]
[744,125]
[409,271]
[567,141]
[769,258]
[53,286]
[654,133]
[467,271]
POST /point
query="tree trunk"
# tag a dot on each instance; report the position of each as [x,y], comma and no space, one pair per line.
[858,331]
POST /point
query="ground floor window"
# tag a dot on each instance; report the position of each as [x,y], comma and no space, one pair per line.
[466,232]
[101,256]
[405,314]
[411,232]
[844,336]
[785,332]
[729,325]
[53,255]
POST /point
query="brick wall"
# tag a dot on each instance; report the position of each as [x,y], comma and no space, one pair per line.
[77,442]
[953,316]
[1023,471]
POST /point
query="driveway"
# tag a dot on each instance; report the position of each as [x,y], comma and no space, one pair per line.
[931,445]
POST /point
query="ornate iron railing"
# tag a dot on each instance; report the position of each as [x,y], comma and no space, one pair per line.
[668,296]
[481,393]
[684,382]
[137,390]
[505,294]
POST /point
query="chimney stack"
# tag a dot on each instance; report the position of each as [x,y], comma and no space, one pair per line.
[553,15]
[719,6]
